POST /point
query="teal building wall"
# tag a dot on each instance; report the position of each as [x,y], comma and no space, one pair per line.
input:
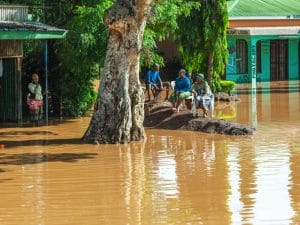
[264,75]
[293,59]
[265,61]
[231,68]
[231,65]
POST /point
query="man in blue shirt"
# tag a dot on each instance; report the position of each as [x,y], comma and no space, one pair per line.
[154,83]
[182,89]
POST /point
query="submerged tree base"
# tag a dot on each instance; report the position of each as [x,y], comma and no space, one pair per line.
[161,115]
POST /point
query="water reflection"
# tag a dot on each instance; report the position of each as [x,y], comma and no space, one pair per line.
[271,102]
[192,182]
[167,178]
[294,190]
[225,110]
[49,177]
[273,171]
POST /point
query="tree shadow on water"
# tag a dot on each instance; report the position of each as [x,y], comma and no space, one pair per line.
[43,142]
[36,158]
[3,180]
[28,124]
[14,133]
[6,179]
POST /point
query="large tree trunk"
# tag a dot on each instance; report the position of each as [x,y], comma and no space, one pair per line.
[119,111]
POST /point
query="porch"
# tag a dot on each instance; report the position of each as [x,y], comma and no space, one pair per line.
[14,29]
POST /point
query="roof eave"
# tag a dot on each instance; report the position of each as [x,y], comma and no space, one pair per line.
[264,18]
[265,31]
[28,35]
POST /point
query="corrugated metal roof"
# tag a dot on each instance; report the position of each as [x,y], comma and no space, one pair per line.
[13,13]
[240,8]
[28,26]
[29,30]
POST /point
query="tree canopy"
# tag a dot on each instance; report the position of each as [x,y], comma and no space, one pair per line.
[204,47]
[197,26]
[163,25]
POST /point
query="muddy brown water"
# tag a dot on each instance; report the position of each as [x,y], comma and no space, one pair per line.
[48,177]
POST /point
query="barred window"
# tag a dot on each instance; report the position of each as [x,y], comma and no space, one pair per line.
[242,56]
[258,57]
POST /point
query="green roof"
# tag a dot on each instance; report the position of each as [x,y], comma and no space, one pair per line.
[257,8]
[29,30]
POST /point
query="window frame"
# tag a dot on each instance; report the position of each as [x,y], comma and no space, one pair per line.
[242,56]
[258,57]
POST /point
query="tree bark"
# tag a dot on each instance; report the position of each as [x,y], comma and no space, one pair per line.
[119,111]
[210,64]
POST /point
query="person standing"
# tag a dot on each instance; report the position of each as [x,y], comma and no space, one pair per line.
[155,84]
[35,99]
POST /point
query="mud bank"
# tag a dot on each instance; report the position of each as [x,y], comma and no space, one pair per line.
[161,115]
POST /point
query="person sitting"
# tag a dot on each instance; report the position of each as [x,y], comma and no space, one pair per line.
[155,84]
[182,90]
[204,98]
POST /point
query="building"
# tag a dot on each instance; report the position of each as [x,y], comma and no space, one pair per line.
[263,40]
[14,29]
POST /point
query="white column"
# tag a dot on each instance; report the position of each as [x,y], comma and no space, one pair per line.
[252,74]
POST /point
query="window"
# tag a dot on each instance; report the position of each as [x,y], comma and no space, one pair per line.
[258,57]
[242,56]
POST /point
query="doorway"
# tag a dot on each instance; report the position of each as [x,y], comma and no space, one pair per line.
[10,91]
[279,60]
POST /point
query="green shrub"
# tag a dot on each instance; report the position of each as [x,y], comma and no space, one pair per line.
[216,86]
[77,103]
[227,86]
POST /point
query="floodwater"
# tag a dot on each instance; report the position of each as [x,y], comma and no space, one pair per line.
[48,177]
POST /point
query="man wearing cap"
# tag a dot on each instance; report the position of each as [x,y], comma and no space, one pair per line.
[154,83]
[204,96]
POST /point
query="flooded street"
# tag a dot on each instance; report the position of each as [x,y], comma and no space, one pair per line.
[48,177]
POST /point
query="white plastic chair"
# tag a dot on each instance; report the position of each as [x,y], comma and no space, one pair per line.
[173,84]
